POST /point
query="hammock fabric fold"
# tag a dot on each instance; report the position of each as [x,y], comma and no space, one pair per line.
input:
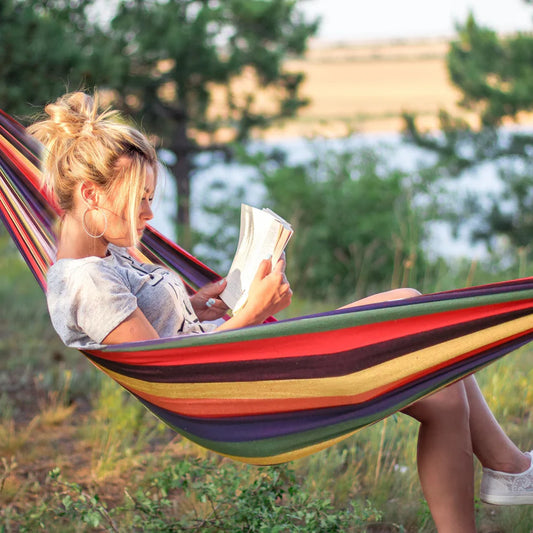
[276,392]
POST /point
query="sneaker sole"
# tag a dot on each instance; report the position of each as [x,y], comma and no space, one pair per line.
[519,499]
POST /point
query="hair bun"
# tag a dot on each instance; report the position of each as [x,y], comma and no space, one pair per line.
[74,114]
[83,144]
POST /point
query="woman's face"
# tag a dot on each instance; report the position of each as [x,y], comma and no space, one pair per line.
[118,231]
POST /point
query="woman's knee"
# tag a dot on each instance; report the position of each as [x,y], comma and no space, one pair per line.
[400,294]
[388,296]
[449,405]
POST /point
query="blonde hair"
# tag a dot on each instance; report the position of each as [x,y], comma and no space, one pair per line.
[83,143]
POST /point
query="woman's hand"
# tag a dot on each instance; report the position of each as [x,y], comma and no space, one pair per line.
[269,293]
[206,302]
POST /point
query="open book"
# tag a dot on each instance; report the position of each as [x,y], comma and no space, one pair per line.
[263,233]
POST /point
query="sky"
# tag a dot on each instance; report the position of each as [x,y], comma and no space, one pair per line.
[369,20]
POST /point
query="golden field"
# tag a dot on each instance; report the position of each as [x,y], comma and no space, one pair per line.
[351,87]
[367,87]
[363,87]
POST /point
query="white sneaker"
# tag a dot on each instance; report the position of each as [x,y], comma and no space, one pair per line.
[501,488]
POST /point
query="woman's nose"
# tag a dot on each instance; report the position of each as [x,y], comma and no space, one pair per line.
[146,211]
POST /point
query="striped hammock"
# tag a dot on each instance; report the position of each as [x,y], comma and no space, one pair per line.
[276,392]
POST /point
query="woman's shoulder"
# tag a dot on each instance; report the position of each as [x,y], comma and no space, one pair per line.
[67,266]
[74,272]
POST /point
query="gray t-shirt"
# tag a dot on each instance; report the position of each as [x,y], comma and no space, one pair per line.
[88,298]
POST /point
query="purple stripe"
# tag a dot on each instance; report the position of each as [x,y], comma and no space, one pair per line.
[160,250]
[250,428]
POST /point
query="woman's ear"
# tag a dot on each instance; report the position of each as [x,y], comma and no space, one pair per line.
[89,194]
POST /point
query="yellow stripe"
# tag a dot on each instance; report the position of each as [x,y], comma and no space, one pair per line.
[358,382]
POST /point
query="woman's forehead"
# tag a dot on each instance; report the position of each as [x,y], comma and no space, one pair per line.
[149,180]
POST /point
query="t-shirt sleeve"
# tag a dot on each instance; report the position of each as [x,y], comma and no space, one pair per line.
[94,301]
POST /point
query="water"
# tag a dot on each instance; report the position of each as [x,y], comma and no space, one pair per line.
[482,180]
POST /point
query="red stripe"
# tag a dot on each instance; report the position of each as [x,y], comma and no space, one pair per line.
[28,170]
[15,157]
[314,343]
[216,408]
[29,253]
[16,223]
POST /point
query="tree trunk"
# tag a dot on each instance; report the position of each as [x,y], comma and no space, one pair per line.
[181,171]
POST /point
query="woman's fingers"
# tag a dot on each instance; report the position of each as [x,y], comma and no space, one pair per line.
[213,289]
[264,269]
[207,303]
[270,290]
[279,267]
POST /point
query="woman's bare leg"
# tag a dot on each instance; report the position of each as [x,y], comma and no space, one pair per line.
[444,454]
[455,423]
[491,445]
[445,458]
[388,296]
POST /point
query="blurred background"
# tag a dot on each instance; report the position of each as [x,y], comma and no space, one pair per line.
[283,103]
[396,138]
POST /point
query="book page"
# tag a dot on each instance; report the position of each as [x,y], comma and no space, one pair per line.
[234,288]
[262,234]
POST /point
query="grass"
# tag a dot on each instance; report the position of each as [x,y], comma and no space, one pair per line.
[80,454]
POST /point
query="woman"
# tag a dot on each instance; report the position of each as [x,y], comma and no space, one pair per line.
[103,174]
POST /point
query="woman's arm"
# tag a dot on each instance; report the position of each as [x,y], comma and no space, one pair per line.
[269,293]
[135,328]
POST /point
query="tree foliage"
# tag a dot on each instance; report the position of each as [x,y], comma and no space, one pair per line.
[495,77]
[198,74]
[48,47]
[495,74]
[199,68]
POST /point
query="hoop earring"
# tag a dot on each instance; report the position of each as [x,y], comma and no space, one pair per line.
[84,224]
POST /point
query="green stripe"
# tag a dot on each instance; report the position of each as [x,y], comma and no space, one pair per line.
[318,324]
